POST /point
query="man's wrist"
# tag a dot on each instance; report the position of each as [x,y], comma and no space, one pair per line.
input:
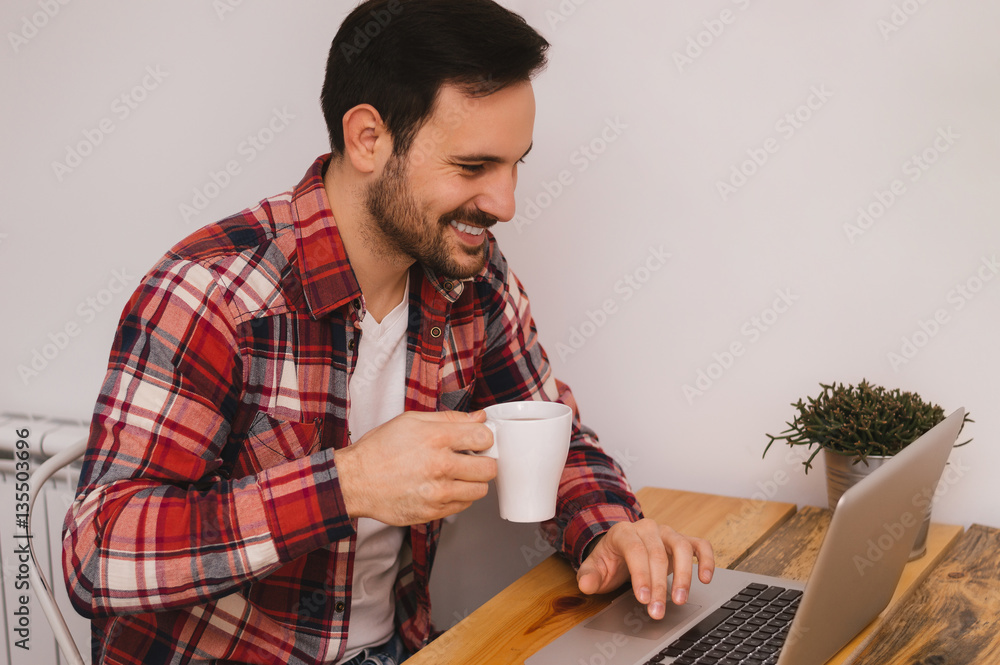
[345,462]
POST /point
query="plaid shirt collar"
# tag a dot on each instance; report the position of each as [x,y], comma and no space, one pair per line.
[328,281]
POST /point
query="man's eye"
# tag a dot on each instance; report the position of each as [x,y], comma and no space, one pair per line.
[471,168]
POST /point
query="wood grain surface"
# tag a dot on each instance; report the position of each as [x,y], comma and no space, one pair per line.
[791,551]
[545,602]
[953,618]
[959,602]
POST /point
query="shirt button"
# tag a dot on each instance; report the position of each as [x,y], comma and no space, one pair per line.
[448,286]
[357,303]
[435,332]
[350,345]
[340,607]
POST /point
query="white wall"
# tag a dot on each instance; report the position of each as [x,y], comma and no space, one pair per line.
[888,81]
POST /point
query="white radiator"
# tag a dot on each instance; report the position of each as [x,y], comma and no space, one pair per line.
[45,438]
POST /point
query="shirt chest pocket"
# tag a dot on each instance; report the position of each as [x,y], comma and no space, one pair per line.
[270,441]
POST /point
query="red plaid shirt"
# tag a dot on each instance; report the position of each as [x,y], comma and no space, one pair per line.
[209,523]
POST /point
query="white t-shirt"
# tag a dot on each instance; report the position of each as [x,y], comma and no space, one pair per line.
[377,392]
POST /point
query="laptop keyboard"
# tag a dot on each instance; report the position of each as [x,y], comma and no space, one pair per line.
[749,629]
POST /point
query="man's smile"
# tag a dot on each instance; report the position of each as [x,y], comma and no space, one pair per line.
[466,228]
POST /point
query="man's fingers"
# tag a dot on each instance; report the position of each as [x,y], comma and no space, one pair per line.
[646,557]
[648,553]
[408,470]
[594,576]
[651,552]
[649,532]
[461,432]
[635,551]
[457,430]
[448,416]
[471,437]
[464,492]
[445,495]
[470,468]
[681,553]
[588,578]
[453,472]
[706,559]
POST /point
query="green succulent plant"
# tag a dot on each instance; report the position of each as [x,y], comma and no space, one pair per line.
[858,421]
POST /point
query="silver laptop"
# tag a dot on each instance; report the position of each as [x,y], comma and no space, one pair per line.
[746,618]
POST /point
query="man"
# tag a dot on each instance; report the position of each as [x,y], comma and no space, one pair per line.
[279,433]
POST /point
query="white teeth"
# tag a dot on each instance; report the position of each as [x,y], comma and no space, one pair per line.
[465,228]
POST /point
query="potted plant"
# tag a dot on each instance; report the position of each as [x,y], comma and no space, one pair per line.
[859,428]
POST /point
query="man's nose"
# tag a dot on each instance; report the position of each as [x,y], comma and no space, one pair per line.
[497,198]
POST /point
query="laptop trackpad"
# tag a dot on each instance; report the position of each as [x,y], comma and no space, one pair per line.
[628,617]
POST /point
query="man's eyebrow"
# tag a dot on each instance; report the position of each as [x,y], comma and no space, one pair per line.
[494,159]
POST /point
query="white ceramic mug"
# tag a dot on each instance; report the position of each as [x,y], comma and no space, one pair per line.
[530,444]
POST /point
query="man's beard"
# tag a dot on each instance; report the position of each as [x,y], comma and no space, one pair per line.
[401,227]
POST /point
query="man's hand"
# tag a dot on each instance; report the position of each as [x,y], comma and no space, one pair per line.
[647,552]
[411,470]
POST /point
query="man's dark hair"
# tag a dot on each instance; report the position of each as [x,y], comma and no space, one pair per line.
[396,55]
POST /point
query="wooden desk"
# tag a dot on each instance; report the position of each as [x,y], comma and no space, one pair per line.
[952,619]
[545,602]
[757,536]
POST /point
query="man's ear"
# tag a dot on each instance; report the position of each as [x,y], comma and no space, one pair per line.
[365,136]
